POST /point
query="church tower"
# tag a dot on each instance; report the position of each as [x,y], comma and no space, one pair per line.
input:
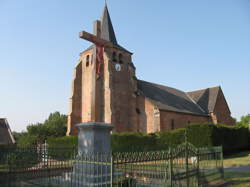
[104,85]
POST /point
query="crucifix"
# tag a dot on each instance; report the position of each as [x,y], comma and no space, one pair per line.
[98,42]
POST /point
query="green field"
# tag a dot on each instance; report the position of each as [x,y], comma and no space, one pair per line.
[239,174]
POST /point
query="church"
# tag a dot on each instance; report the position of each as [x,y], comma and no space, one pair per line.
[105,89]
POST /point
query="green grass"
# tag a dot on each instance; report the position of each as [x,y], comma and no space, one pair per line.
[238,179]
[238,159]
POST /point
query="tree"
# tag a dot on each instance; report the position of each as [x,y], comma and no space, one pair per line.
[54,126]
[244,120]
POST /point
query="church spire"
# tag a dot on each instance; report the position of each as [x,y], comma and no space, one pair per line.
[107,30]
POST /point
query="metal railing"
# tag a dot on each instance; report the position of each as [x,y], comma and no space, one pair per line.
[183,165]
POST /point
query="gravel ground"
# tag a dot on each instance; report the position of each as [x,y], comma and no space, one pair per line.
[245,168]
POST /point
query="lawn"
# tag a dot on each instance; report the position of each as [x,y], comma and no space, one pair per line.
[238,159]
[238,178]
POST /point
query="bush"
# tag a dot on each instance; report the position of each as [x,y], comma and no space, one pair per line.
[201,135]
[232,138]
[171,138]
[133,141]
[21,158]
[62,148]
[65,141]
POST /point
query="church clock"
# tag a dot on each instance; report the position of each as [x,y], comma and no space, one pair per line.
[118,67]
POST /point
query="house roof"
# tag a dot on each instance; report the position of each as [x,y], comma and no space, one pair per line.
[206,98]
[6,136]
[167,98]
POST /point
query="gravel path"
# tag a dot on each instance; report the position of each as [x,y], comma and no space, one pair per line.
[245,168]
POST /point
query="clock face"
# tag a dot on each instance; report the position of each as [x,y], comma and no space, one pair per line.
[118,67]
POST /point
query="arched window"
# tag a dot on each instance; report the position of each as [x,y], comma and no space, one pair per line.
[120,58]
[114,56]
[87,61]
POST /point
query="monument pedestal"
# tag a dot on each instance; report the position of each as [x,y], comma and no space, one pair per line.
[93,163]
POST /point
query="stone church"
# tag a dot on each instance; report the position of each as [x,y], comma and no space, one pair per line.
[105,89]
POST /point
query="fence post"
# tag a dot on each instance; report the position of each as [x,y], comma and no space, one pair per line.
[186,157]
[198,166]
[111,170]
[221,159]
[170,165]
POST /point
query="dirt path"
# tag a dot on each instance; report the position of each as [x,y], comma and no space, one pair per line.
[245,168]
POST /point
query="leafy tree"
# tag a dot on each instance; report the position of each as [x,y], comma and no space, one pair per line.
[39,130]
[27,139]
[244,120]
[54,126]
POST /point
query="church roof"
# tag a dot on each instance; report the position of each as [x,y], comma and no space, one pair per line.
[107,30]
[170,99]
[206,98]
[6,136]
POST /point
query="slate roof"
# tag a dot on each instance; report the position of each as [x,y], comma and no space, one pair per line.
[6,136]
[107,31]
[170,99]
[206,98]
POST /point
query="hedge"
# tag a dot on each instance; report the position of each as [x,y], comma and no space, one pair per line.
[170,138]
[65,141]
[62,148]
[133,141]
[232,138]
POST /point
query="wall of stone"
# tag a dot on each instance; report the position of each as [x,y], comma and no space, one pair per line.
[88,85]
[221,112]
[173,120]
[121,87]
[75,100]
[148,116]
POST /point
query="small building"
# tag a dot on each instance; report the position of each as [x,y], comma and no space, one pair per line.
[106,89]
[6,136]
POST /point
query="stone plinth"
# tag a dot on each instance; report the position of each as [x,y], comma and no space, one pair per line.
[93,164]
[94,137]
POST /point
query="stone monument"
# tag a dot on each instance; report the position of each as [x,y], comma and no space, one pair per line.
[92,167]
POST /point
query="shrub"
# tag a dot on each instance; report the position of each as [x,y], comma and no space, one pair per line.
[62,148]
[201,134]
[133,141]
[232,138]
[171,138]
[65,141]
[21,158]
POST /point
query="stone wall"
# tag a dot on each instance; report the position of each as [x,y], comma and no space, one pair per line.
[75,114]
[173,120]
[221,113]
[121,87]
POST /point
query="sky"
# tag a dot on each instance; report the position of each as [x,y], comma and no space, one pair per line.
[183,44]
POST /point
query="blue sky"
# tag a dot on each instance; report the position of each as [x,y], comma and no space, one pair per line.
[183,44]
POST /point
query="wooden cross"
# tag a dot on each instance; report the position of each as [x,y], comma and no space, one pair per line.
[99,44]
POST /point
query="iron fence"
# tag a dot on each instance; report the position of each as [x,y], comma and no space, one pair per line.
[184,165]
